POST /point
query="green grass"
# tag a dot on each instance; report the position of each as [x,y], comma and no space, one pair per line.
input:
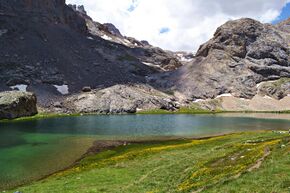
[218,164]
[193,109]
[40,116]
[182,110]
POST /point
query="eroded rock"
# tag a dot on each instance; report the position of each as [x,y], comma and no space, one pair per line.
[15,104]
[120,99]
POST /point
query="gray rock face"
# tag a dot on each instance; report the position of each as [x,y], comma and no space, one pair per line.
[241,54]
[112,29]
[16,104]
[120,99]
[276,89]
[160,60]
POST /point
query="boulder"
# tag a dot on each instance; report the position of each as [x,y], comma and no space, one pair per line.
[15,104]
[120,99]
[87,89]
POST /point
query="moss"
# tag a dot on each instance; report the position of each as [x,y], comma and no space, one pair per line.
[40,116]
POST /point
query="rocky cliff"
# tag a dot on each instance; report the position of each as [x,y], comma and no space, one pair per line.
[241,54]
[160,60]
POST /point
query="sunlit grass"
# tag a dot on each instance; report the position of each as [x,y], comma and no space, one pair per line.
[180,166]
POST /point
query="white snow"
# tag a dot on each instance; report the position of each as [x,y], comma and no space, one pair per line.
[90,38]
[224,95]
[138,109]
[62,89]
[182,58]
[126,42]
[105,37]
[152,65]
[198,100]
[3,31]
[244,99]
[258,85]
[20,87]
[267,97]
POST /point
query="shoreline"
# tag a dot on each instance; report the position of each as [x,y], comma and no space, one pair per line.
[42,115]
[105,145]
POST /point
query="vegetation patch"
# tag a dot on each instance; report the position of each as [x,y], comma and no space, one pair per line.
[222,163]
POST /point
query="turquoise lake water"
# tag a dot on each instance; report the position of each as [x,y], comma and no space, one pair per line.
[33,149]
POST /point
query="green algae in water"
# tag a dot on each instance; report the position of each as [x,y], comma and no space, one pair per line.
[37,155]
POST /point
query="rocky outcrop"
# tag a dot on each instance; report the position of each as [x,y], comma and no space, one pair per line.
[14,104]
[120,99]
[276,89]
[241,54]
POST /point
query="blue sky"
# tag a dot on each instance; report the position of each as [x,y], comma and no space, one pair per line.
[180,24]
[284,14]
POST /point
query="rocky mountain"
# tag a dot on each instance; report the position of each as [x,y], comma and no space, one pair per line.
[242,54]
[151,56]
[75,64]
[51,49]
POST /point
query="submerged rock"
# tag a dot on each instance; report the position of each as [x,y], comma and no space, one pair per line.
[15,104]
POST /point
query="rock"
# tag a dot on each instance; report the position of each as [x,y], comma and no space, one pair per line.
[120,99]
[57,104]
[241,54]
[276,89]
[112,29]
[87,89]
[15,104]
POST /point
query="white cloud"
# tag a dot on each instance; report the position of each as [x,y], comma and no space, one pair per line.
[191,22]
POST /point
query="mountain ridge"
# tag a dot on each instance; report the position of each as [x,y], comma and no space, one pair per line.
[57,50]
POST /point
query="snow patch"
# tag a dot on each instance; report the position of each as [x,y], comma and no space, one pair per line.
[62,89]
[244,99]
[138,109]
[152,65]
[105,37]
[90,38]
[3,31]
[20,87]
[258,85]
[224,95]
[126,42]
[267,97]
[198,100]
[182,58]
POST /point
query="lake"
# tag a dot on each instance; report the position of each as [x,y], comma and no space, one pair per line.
[32,149]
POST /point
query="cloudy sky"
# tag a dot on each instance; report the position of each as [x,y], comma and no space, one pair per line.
[181,24]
